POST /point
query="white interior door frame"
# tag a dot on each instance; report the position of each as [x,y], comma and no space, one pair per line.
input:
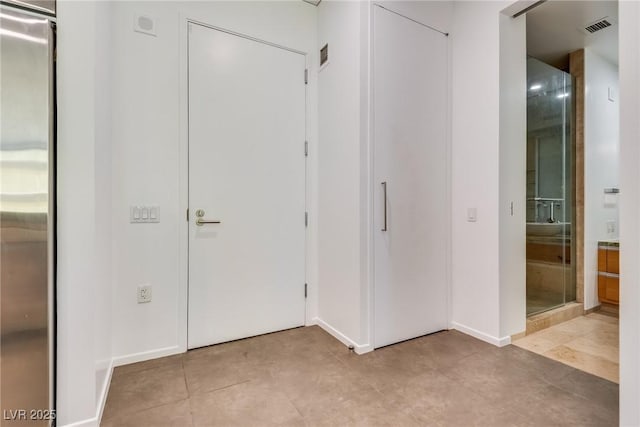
[183,178]
[371,186]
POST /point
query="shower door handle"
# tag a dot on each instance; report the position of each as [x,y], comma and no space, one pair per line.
[384,192]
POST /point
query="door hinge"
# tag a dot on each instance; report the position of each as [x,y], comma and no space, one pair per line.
[306,148]
[306,219]
[305,290]
[187,215]
[306,76]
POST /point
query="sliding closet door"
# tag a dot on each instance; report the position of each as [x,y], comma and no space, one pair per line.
[411,201]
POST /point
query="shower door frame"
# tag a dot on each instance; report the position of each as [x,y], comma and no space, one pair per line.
[570,292]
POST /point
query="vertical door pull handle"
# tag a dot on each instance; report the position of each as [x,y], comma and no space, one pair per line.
[384,192]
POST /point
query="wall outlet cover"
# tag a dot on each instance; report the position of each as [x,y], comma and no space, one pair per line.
[144,293]
[611,227]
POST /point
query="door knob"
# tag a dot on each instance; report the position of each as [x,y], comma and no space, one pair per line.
[200,222]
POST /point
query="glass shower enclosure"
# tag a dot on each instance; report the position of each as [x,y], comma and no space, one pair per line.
[550,195]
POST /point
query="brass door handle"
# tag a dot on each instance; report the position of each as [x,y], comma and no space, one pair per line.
[200,222]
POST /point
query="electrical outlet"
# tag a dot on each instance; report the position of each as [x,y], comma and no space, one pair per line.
[144,293]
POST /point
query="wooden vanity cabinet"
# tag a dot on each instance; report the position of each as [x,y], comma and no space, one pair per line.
[609,274]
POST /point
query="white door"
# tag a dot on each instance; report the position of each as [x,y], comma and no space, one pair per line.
[410,170]
[247,171]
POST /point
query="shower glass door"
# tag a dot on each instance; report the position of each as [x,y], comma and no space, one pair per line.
[550,195]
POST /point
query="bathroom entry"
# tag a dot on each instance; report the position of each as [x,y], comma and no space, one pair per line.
[572,152]
[550,271]
[411,200]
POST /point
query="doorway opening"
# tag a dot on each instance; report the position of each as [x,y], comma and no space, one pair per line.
[572,185]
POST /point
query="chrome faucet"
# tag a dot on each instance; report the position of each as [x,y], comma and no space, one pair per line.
[542,202]
[551,218]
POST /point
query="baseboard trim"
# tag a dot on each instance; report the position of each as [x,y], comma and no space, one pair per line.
[95,421]
[104,392]
[499,342]
[146,355]
[358,348]
[91,422]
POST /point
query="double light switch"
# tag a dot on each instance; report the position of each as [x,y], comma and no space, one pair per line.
[144,214]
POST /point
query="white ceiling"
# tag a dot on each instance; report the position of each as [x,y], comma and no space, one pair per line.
[555,28]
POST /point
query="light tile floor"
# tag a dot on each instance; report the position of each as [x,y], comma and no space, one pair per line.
[588,343]
[304,377]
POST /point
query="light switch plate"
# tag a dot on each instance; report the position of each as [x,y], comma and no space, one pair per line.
[144,214]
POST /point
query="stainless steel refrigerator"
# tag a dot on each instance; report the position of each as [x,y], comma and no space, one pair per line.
[27,213]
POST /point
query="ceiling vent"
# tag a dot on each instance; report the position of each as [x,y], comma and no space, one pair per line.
[598,25]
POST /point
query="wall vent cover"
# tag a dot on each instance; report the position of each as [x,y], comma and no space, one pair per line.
[598,25]
[324,54]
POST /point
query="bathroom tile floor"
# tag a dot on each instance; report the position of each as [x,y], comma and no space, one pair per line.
[304,377]
[588,343]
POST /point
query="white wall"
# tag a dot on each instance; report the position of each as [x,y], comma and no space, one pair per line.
[148,157]
[339,177]
[601,163]
[475,167]
[629,67]
[102,173]
[513,129]
[489,118]
[84,216]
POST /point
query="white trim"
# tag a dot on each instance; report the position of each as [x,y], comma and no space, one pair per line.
[183,186]
[518,7]
[102,401]
[358,348]
[91,422]
[499,342]
[146,355]
[449,181]
[367,142]
[104,392]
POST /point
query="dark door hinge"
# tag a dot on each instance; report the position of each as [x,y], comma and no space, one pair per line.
[306,76]
[305,290]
